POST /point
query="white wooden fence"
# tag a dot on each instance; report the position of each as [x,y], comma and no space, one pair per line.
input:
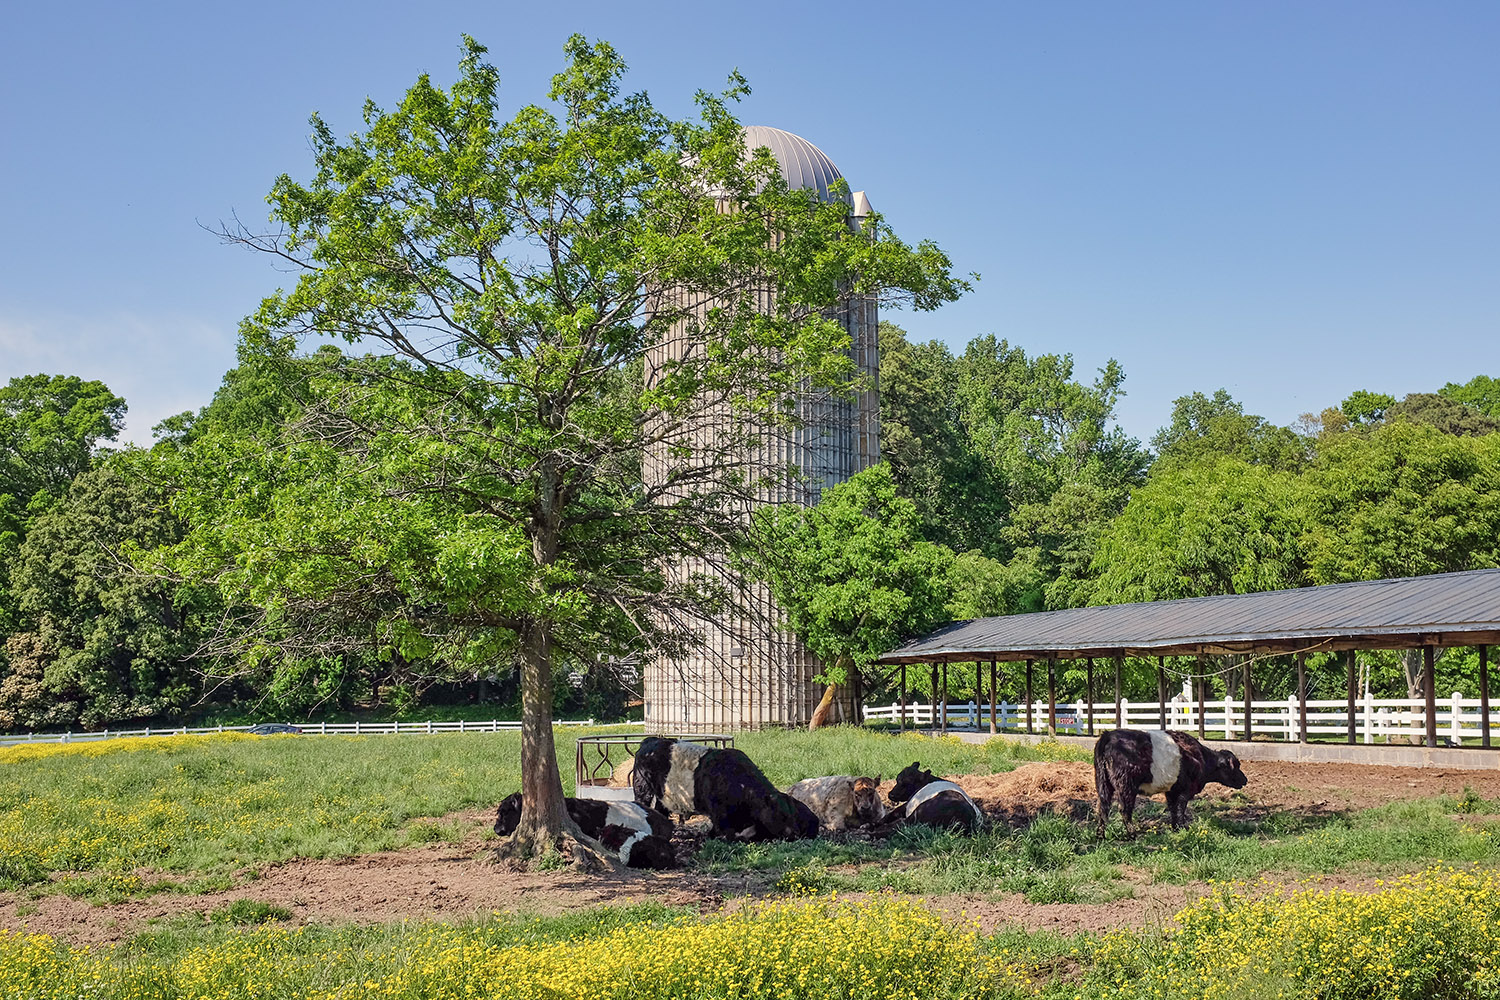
[308,729]
[1376,720]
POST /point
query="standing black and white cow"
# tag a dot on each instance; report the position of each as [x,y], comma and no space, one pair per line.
[681,778]
[1128,762]
[641,838]
[933,801]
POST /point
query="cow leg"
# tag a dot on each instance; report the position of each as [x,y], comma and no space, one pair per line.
[1174,810]
[1127,807]
[1106,799]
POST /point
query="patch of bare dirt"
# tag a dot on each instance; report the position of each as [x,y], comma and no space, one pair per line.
[456,881]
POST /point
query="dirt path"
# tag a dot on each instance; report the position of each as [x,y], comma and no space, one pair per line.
[456,881]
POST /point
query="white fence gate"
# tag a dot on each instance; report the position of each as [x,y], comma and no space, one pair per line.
[1376,720]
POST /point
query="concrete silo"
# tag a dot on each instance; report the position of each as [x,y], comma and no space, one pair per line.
[747,674]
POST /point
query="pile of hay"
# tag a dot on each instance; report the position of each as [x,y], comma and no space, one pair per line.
[1065,787]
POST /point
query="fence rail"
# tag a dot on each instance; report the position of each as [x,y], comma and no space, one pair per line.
[1375,719]
[307,728]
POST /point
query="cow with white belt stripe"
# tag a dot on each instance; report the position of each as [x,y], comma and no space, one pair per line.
[1128,762]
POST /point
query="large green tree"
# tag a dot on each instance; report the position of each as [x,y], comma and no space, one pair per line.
[959,496]
[1218,425]
[474,481]
[853,575]
[1481,392]
[1215,526]
[51,426]
[119,642]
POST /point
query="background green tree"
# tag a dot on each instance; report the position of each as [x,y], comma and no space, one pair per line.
[853,576]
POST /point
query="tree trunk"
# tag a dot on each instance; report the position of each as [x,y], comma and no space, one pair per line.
[545,824]
[825,708]
[1411,667]
[830,698]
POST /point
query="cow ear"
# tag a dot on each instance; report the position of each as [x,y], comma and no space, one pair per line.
[877,779]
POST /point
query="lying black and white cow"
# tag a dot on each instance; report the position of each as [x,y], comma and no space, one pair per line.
[841,801]
[1128,762]
[681,778]
[641,838]
[933,801]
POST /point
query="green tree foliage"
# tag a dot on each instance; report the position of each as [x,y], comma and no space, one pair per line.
[853,575]
[50,428]
[1215,526]
[1406,500]
[1364,407]
[1010,456]
[1448,415]
[959,496]
[1481,392]
[117,641]
[1067,470]
[1218,425]
[472,487]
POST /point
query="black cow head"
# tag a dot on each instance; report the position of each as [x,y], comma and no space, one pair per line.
[508,816]
[1224,767]
[653,852]
[910,781]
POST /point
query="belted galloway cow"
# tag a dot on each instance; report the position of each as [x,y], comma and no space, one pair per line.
[641,838]
[682,778]
[841,801]
[934,801]
[1131,762]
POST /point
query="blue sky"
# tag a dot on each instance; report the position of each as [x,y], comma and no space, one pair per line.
[1289,200]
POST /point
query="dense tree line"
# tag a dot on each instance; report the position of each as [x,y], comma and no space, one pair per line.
[1006,488]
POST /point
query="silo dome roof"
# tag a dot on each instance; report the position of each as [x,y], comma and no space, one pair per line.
[804,165]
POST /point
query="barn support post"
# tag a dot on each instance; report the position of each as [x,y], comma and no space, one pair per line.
[945,697]
[1350,666]
[1198,683]
[1484,696]
[1028,698]
[903,697]
[1429,694]
[992,697]
[1249,694]
[932,697]
[1052,697]
[1161,691]
[978,694]
[1301,697]
[1119,668]
[1091,695]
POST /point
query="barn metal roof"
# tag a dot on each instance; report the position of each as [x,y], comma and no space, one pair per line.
[1445,609]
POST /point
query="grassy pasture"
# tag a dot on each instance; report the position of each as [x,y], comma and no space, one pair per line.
[89,819]
[203,806]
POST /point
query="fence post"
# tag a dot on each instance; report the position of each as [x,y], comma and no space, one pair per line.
[1291,719]
[1369,720]
[1228,717]
[356,727]
[1455,726]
